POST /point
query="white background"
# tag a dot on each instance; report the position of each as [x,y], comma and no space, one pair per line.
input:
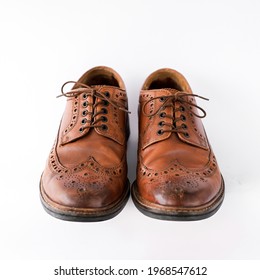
[214,44]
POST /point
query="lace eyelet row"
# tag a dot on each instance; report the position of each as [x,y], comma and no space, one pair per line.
[103,110]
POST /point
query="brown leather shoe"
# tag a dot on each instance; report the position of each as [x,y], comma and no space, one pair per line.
[85,178]
[178,177]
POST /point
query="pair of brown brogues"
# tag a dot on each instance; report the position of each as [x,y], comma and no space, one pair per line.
[85,178]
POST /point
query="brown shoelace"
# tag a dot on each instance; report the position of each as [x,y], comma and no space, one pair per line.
[169,101]
[89,91]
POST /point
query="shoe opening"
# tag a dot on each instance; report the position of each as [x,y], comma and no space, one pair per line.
[166,78]
[101,76]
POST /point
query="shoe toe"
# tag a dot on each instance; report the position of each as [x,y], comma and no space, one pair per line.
[75,192]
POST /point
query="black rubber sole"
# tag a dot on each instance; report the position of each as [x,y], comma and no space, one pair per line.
[178,214]
[76,216]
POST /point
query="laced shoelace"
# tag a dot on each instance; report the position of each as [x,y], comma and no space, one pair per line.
[104,100]
[169,101]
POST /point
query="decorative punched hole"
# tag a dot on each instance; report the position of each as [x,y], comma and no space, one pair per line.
[162,115]
[75,110]
[177,174]
[74,117]
[82,164]
[155,174]
[160,132]
[85,174]
[165,172]
[75,169]
[144,173]
[104,119]
[76,103]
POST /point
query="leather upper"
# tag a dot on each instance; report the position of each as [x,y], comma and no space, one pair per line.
[87,165]
[176,165]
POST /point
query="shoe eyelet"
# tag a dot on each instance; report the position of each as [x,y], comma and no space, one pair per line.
[84,113]
[182,109]
[81,129]
[105,102]
[183,118]
[84,96]
[186,134]
[85,104]
[161,123]
[104,127]
[84,121]
[104,111]
[162,115]
[107,94]
[104,119]
[160,132]
[162,99]
[184,126]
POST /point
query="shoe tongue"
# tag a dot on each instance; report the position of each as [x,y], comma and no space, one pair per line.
[152,93]
[107,87]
